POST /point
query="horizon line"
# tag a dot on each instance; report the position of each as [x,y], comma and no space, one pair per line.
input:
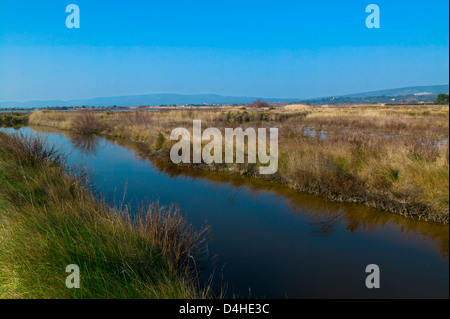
[217,94]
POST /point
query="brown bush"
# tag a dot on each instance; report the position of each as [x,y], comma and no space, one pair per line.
[30,150]
[259,104]
[86,123]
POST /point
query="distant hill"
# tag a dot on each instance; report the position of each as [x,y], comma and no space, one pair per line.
[412,94]
[413,90]
[147,99]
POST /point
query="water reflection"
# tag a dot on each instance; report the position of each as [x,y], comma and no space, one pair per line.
[86,144]
[325,215]
[326,226]
[274,240]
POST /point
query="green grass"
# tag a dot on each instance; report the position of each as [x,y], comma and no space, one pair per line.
[11,119]
[49,219]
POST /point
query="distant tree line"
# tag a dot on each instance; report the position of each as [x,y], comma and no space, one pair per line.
[442,99]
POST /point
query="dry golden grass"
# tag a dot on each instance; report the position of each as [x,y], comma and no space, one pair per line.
[391,157]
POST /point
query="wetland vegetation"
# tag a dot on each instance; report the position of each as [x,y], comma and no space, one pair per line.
[395,158]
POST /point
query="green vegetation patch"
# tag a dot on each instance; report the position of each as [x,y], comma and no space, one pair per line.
[49,220]
[13,119]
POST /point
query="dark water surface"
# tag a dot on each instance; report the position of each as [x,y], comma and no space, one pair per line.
[272,241]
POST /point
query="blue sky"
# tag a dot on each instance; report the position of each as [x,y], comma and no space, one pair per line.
[281,48]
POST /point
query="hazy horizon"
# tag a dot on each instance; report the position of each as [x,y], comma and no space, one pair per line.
[216,94]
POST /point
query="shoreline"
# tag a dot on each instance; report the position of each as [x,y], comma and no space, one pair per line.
[402,176]
[408,210]
[51,220]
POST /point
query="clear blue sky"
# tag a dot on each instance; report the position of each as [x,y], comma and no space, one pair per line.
[282,48]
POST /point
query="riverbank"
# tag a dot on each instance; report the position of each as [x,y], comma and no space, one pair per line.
[392,158]
[13,119]
[50,219]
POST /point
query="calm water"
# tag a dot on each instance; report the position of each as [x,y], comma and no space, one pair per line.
[270,241]
[74,110]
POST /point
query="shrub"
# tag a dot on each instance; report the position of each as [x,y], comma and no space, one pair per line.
[259,104]
[86,123]
[442,99]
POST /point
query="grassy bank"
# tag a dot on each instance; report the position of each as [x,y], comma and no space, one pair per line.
[49,219]
[393,158]
[13,119]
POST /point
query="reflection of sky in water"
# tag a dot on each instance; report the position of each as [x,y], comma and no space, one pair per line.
[293,245]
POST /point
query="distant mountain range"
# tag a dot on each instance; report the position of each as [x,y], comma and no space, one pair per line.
[413,90]
[138,100]
[417,93]
[411,95]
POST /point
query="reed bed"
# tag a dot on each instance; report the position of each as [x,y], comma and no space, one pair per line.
[391,157]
